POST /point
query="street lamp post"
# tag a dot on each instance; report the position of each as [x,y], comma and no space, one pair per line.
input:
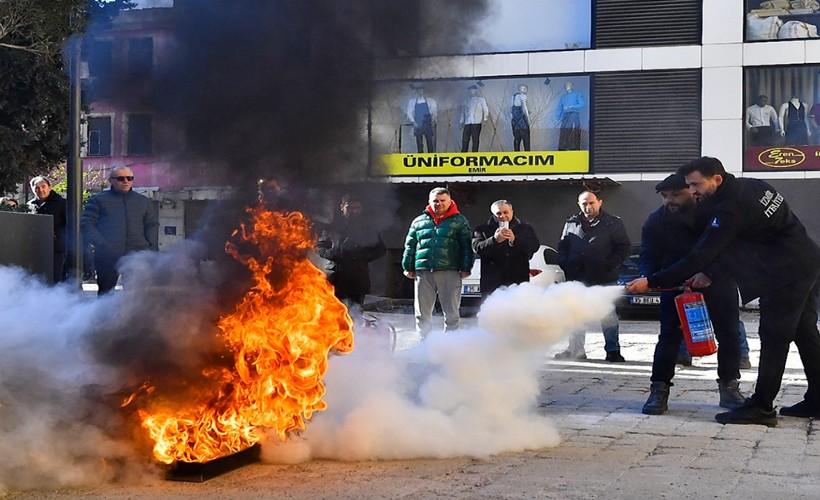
[74,169]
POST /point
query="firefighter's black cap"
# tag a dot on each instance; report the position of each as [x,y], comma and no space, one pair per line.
[674,182]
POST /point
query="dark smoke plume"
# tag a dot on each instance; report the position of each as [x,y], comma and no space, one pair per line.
[283,86]
[251,88]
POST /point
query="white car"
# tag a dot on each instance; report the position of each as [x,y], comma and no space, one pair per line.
[543,270]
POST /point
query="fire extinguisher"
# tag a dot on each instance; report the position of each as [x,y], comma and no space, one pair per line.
[695,323]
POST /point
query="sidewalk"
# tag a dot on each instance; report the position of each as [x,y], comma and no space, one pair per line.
[609,449]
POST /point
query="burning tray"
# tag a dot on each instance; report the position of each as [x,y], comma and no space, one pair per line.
[196,472]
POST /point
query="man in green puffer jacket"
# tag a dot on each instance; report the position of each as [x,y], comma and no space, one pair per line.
[437,256]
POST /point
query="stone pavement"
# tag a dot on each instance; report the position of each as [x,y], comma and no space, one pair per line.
[609,448]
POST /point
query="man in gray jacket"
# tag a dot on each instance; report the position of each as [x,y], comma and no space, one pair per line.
[117,222]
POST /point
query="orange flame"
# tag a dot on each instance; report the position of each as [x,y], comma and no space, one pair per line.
[280,334]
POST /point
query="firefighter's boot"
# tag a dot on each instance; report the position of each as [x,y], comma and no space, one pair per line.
[658,397]
[730,395]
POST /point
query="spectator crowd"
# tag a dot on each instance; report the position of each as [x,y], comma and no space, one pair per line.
[712,233]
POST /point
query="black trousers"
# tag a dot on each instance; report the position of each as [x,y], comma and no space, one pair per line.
[471,131]
[789,314]
[570,137]
[59,266]
[722,303]
[107,274]
[426,134]
[521,135]
[765,136]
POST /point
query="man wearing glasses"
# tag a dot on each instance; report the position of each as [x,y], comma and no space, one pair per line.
[117,222]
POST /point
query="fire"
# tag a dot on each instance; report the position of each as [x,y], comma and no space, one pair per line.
[280,335]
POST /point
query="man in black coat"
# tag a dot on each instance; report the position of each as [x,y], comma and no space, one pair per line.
[48,202]
[350,243]
[668,234]
[593,246]
[505,246]
[772,257]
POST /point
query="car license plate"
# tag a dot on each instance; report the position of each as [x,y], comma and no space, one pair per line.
[471,290]
[646,301]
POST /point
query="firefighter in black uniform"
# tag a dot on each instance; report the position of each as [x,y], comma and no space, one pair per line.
[771,257]
[668,234]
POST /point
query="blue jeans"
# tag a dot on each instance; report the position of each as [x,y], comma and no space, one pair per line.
[610,327]
[744,344]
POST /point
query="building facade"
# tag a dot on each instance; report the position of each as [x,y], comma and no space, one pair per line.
[618,94]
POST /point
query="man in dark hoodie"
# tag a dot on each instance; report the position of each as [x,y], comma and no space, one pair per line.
[437,256]
[505,245]
[118,221]
[771,257]
[350,243]
[593,246]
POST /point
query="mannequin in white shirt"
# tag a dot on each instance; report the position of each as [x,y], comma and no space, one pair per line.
[761,122]
[473,116]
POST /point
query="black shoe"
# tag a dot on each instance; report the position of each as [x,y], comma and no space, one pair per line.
[749,413]
[614,357]
[685,361]
[802,409]
[569,355]
[658,398]
[730,395]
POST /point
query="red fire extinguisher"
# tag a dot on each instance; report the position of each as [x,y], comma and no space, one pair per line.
[695,323]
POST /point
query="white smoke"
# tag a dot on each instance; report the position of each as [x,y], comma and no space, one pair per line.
[47,435]
[471,393]
[68,360]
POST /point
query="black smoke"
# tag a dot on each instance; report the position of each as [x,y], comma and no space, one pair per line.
[283,87]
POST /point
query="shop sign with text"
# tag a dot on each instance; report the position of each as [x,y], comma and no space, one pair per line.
[502,163]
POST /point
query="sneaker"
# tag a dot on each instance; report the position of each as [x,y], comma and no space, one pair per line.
[801,409]
[745,363]
[615,357]
[749,413]
[685,361]
[569,355]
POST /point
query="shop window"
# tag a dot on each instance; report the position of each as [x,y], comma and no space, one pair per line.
[781,19]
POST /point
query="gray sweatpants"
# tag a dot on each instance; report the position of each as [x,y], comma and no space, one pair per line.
[447,286]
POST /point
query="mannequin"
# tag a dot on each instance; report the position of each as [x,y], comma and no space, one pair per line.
[567,116]
[474,114]
[794,122]
[421,111]
[520,119]
[761,122]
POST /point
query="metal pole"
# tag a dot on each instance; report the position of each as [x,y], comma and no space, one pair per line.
[74,171]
